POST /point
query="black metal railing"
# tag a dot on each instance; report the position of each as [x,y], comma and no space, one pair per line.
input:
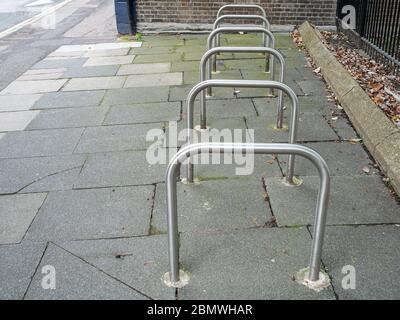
[377,28]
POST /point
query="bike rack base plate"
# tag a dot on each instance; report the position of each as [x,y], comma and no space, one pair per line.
[324,281]
[183,276]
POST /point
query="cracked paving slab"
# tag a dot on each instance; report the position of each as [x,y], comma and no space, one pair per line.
[16,214]
[17,266]
[128,261]
[39,174]
[77,279]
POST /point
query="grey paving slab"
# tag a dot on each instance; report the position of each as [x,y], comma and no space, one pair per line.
[144,113]
[69,118]
[180,93]
[153,50]
[140,262]
[119,169]
[18,102]
[155,80]
[31,87]
[108,60]
[39,143]
[353,200]
[343,158]
[225,108]
[342,127]
[77,280]
[107,53]
[185,66]
[136,95]
[56,100]
[95,71]
[312,127]
[16,121]
[215,205]
[17,212]
[153,58]
[39,174]
[145,68]
[94,83]
[55,63]
[42,74]
[116,138]
[312,87]
[17,266]
[373,251]
[193,77]
[69,215]
[247,264]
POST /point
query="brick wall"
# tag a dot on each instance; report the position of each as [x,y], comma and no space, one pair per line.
[282,12]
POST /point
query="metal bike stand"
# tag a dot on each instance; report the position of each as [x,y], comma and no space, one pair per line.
[173,277]
[242,6]
[210,53]
[266,24]
[244,84]
[215,32]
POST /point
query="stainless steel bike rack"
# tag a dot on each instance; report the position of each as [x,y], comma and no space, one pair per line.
[244,84]
[173,277]
[266,24]
[210,40]
[210,53]
[241,6]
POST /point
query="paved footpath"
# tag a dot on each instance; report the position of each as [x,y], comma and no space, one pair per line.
[77,192]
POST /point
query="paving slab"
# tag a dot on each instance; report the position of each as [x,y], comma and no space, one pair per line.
[126,260]
[17,212]
[135,95]
[56,100]
[185,66]
[94,83]
[342,127]
[42,74]
[99,46]
[39,143]
[18,102]
[153,50]
[77,280]
[193,77]
[69,215]
[16,121]
[226,108]
[343,158]
[247,264]
[96,71]
[373,251]
[179,93]
[312,87]
[144,113]
[215,205]
[60,62]
[116,138]
[311,127]
[119,169]
[155,58]
[106,53]
[145,68]
[156,80]
[107,61]
[39,174]
[68,118]
[29,87]
[17,267]
[353,200]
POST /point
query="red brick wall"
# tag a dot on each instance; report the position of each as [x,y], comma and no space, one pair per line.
[320,12]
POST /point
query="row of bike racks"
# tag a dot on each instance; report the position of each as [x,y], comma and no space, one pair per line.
[312,276]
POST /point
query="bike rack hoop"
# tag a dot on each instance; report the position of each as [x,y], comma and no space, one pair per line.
[244,84]
[212,52]
[242,6]
[271,148]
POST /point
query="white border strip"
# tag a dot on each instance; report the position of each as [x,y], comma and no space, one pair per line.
[33,19]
